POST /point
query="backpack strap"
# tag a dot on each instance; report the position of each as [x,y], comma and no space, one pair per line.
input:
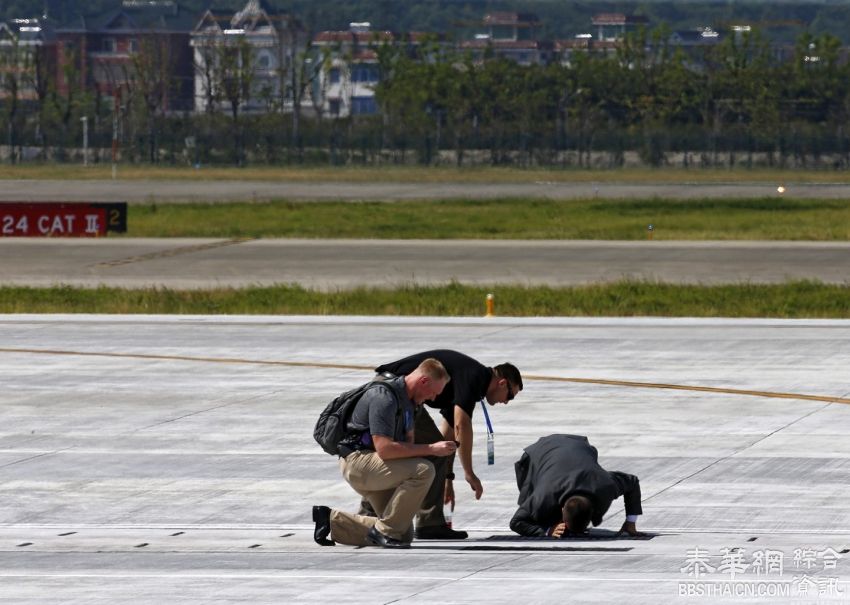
[353,441]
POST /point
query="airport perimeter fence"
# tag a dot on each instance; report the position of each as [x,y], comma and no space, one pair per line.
[271,139]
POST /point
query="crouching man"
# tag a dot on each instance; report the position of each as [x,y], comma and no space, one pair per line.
[562,489]
[379,459]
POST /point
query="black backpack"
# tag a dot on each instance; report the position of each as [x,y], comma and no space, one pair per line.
[331,426]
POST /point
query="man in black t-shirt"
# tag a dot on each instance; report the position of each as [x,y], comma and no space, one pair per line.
[470,382]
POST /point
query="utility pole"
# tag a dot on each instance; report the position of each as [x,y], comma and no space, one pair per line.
[115,109]
[85,121]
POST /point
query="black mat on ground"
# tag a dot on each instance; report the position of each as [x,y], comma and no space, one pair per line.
[558,548]
[596,534]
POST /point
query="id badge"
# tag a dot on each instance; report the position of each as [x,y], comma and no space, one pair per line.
[491,449]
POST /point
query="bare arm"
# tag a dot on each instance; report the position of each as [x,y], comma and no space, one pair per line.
[389,449]
[463,435]
[449,491]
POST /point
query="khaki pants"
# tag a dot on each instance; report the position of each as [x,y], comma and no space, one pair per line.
[431,512]
[394,488]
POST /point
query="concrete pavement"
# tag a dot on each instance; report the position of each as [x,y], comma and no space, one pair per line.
[213,190]
[169,459]
[181,263]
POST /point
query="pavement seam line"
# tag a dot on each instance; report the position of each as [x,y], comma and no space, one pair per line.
[203,411]
[172,252]
[735,453]
[36,456]
[341,366]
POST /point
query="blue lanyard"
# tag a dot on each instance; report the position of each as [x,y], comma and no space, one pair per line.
[487,417]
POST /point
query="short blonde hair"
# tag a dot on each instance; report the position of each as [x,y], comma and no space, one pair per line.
[433,369]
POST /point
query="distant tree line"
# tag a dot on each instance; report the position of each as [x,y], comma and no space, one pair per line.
[733,104]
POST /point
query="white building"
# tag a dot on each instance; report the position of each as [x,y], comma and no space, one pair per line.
[275,44]
[348,69]
[345,83]
[27,54]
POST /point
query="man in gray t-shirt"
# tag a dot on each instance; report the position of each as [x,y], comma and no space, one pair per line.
[381,462]
[385,409]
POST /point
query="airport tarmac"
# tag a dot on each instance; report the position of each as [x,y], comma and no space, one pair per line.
[134,191]
[166,459]
[183,263]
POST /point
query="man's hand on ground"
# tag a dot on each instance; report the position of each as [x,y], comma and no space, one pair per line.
[630,528]
[558,530]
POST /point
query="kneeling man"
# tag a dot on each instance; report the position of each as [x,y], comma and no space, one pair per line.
[380,460]
[562,489]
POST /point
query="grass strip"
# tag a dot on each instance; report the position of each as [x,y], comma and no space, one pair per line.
[769,218]
[804,299]
[423,174]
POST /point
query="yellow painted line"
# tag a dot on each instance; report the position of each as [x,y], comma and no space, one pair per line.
[684,387]
[233,360]
[341,366]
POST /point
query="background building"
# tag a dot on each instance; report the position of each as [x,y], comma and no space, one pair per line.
[251,57]
[512,36]
[140,47]
[27,58]
[345,83]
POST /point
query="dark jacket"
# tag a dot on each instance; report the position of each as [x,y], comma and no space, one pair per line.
[557,467]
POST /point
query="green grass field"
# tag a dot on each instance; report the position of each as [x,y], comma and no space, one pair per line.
[792,300]
[774,218]
[706,219]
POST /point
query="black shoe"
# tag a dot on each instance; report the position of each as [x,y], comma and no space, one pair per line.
[376,538]
[322,518]
[439,532]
